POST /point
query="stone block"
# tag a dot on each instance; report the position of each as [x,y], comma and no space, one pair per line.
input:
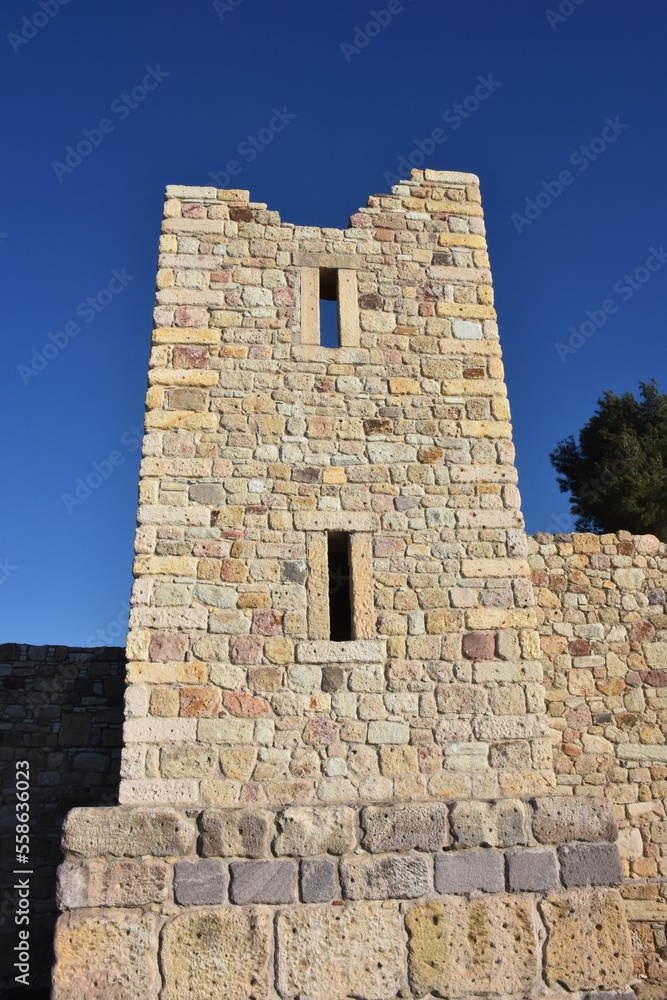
[558,820]
[469,871]
[200,883]
[458,948]
[304,830]
[223,953]
[318,880]
[129,832]
[404,828]
[489,824]
[588,943]
[325,953]
[531,871]
[392,876]
[590,864]
[107,954]
[263,882]
[111,883]
[236,833]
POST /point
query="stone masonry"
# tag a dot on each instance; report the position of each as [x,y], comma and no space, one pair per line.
[302,816]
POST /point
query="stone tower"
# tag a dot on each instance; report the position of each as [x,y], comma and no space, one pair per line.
[337,775]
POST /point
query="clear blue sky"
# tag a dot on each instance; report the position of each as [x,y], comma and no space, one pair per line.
[217,75]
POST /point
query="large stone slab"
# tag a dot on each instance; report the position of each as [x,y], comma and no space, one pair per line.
[459,948]
[263,882]
[469,871]
[392,876]
[128,832]
[326,953]
[108,954]
[221,953]
[404,828]
[590,864]
[588,943]
[304,831]
[235,833]
[558,820]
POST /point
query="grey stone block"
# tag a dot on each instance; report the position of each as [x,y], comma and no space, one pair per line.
[263,882]
[200,882]
[395,876]
[207,493]
[590,864]
[531,871]
[469,871]
[559,820]
[318,880]
[230,833]
[613,995]
[489,824]
[404,828]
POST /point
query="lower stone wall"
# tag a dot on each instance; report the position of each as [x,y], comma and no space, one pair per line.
[328,901]
[603,625]
[62,712]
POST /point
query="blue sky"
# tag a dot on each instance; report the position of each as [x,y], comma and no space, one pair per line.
[181,87]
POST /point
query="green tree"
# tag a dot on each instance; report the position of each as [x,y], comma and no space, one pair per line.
[617,472]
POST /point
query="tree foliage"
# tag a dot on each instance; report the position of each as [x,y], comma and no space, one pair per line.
[617,472]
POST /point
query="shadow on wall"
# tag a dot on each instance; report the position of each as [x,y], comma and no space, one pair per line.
[62,712]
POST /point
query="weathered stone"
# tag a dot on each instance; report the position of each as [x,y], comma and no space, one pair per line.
[220,954]
[489,824]
[458,948]
[111,883]
[325,953]
[304,830]
[531,871]
[318,880]
[588,944]
[106,954]
[557,820]
[392,876]
[201,882]
[590,864]
[468,871]
[129,832]
[234,833]
[263,882]
[404,828]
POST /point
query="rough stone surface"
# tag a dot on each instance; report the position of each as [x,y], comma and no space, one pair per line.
[489,824]
[107,954]
[200,883]
[469,871]
[321,830]
[588,944]
[127,832]
[328,952]
[404,828]
[231,833]
[395,876]
[459,948]
[531,871]
[263,882]
[220,954]
[558,820]
[111,883]
[318,880]
[590,864]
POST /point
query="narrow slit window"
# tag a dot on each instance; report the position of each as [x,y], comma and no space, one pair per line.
[340,585]
[329,309]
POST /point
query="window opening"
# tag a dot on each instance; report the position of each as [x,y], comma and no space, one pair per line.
[329,310]
[340,604]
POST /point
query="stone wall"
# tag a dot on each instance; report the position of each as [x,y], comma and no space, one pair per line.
[62,711]
[602,620]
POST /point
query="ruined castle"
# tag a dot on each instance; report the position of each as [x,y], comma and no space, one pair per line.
[378,743]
